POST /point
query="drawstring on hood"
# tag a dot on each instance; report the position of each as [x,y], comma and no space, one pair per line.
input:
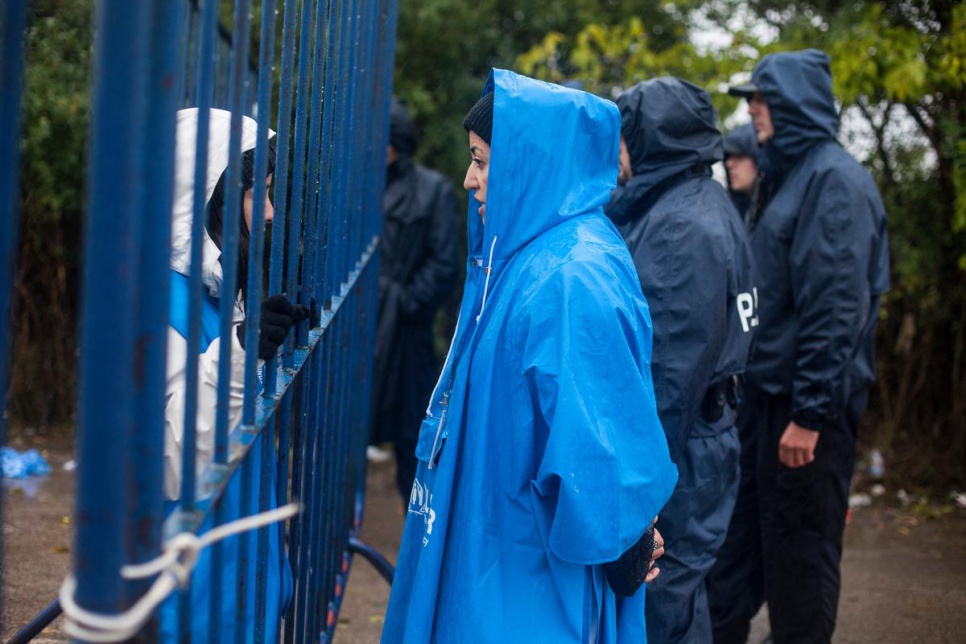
[219,123]
[486,284]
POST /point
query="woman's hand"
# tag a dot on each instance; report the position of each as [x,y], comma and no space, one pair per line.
[658,552]
[277,316]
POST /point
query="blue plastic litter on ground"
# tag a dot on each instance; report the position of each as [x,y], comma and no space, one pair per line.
[14,465]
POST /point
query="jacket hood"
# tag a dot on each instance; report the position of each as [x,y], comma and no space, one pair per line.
[219,123]
[797,86]
[669,126]
[553,156]
[742,142]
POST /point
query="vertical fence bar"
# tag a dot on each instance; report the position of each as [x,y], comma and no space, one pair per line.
[266,463]
[13,21]
[279,232]
[298,164]
[259,190]
[201,87]
[156,199]
[284,150]
[106,421]
[309,243]
[231,217]
[186,80]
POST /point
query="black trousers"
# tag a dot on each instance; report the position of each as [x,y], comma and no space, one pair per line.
[784,543]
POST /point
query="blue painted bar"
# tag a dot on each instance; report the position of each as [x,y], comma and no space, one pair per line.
[303,91]
[232,219]
[14,21]
[146,507]
[310,241]
[186,80]
[267,464]
[205,90]
[111,238]
[256,249]
[279,227]
[42,620]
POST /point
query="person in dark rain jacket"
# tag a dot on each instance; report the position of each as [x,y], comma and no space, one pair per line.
[541,458]
[419,270]
[819,240]
[741,164]
[695,267]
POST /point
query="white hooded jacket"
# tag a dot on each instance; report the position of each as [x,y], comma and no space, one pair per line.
[177,353]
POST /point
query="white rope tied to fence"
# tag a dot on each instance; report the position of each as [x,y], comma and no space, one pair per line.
[175,564]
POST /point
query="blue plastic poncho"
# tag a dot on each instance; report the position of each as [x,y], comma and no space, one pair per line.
[541,455]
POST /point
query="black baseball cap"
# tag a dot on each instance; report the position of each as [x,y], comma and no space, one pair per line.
[744,90]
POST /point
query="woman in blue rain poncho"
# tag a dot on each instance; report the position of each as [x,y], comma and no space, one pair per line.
[541,458]
[277,317]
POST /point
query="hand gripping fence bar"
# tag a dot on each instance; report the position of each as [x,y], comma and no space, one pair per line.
[282,482]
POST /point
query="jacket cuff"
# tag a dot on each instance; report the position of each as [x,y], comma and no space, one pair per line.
[816,422]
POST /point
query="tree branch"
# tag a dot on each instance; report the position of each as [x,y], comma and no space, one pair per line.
[879,131]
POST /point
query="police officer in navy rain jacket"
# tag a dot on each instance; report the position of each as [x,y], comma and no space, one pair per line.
[695,267]
[819,238]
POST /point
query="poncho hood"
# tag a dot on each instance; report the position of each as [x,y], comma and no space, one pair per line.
[219,124]
[535,125]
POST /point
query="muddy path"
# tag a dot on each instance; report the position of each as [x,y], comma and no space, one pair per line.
[904,577]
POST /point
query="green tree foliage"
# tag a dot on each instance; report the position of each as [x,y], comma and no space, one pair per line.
[55,114]
[445,49]
[898,68]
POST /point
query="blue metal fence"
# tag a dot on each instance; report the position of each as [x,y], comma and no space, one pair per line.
[323,82]
[12,21]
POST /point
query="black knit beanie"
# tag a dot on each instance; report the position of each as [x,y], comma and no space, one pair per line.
[480,118]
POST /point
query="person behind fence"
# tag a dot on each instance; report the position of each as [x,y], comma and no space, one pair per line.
[819,239]
[741,164]
[278,316]
[542,463]
[693,259]
[419,267]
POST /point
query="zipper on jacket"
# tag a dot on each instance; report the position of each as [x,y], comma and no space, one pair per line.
[444,403]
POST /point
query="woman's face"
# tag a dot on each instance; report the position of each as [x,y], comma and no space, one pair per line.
[742,173]
[624,172]
[478,171]
[248,204]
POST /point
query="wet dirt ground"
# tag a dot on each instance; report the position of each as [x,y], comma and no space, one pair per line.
[903,576]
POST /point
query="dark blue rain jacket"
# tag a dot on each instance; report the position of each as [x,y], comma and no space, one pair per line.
[541,456]
[688,245]
[820,245]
